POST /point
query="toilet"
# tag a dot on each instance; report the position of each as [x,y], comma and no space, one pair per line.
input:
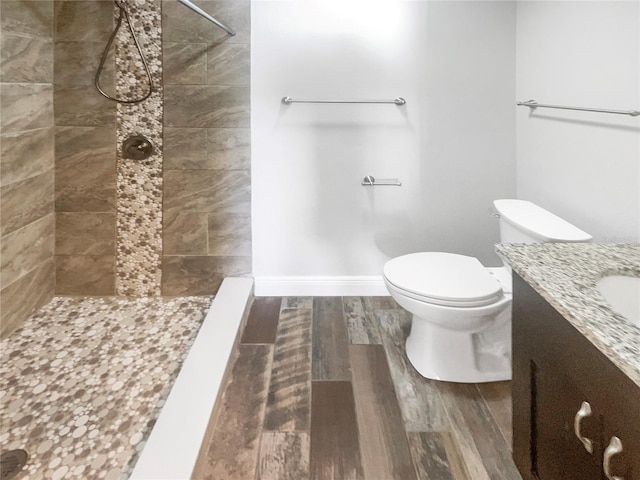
[461,327]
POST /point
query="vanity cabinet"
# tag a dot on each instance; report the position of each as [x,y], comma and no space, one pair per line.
[555,370]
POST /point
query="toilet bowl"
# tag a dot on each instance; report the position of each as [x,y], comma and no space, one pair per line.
[461,327]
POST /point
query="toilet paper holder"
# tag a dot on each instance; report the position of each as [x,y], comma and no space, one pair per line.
[370,181]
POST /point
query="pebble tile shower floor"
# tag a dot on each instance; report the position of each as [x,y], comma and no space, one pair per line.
[83,381]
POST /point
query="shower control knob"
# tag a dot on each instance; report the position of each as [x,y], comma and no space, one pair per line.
[137,147]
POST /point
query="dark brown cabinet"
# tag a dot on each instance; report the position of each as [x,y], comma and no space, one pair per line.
[559,454]
[555,370]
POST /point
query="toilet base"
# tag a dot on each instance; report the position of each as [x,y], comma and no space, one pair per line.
[456,356]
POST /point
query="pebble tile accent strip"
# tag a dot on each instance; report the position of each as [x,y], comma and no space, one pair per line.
[139,182]
[565,274]
[83,381]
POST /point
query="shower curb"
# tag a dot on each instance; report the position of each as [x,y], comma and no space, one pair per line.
[174,443]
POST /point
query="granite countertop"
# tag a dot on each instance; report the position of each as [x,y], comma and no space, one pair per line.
[565,274]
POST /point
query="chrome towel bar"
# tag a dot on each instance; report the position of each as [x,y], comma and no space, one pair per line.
[200,11]
[533,104]
[370,181]
[397,101]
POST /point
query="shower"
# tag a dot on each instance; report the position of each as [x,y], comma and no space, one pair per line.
[83,219]
[123,13]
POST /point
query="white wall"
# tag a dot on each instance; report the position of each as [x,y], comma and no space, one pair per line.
[452,145]
[582,166]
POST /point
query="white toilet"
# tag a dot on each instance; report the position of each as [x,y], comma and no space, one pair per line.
[461,329]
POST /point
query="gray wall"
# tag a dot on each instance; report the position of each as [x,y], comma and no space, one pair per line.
[582,166]
[452,145]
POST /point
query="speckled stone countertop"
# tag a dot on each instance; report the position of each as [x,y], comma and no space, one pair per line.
[565,274]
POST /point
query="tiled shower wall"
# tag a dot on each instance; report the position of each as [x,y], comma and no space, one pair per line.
[85,145]
[51,111]
[207,182]
[26,159]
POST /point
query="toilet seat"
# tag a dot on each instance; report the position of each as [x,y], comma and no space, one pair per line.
[445,279]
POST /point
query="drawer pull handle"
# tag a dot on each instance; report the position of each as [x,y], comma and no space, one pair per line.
[585,411]
[614,448]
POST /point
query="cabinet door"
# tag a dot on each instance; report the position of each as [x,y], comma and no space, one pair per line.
[555,369]
[557,452]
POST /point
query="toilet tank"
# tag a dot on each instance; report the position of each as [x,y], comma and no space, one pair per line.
[525,222]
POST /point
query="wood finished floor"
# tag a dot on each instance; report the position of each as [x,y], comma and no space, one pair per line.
[320,390]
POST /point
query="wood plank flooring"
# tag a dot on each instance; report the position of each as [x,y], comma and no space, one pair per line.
[335,452]
[321,390]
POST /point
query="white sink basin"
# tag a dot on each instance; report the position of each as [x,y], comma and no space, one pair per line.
[623,294]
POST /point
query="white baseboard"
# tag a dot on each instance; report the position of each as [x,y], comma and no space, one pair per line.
[320,286]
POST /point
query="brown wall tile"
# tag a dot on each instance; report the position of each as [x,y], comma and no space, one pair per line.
[26,59]
[83,21]
[184,63]
[26,249]
[200,275]
[185,148]
[25,106]
[207,191]
[25,154]
[32,19]
[81,233]
[182,25]
[74,142]
[22,203]
[206,106]
[26,160]
[229,234]
[207,149]
[82,105]
[76,63]
[24,296]
[85,275]
[185,233]
[85,169]
[207,145]
[228,64]
[229,148]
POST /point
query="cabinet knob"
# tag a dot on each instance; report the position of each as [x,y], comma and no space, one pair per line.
[585,411]
[614,448]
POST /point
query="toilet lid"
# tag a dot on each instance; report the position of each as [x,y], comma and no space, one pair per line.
[444,277]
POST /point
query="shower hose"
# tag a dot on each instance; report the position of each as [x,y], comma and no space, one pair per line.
[122,12]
